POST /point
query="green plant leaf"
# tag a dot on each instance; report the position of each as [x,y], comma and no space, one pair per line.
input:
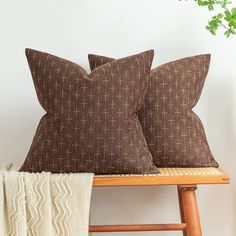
[233,11]
[210,7]
[227,33]
[225,19]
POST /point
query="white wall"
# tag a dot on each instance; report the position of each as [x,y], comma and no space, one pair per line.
[74,28]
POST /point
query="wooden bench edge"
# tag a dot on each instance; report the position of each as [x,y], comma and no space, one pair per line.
[109,181]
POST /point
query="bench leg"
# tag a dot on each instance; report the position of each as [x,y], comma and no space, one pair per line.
[189,210]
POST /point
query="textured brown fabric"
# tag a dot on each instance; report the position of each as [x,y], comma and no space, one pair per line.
[174,133]
[90,123]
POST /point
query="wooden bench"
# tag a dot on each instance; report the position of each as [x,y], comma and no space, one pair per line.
[186,180]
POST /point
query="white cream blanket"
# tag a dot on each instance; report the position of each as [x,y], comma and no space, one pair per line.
[44,204]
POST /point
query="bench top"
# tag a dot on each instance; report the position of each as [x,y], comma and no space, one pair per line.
[167,176]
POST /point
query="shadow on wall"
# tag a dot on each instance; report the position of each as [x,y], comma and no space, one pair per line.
[219,119]
[135,205]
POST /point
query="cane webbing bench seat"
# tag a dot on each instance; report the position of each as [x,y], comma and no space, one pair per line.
[186,180]
[167,176]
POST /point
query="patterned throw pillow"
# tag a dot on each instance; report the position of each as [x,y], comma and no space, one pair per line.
[174,133]
[90,123]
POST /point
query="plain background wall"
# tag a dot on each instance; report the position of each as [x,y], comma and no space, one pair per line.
[74,28]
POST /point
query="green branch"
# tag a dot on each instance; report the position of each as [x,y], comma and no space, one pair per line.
[225,19]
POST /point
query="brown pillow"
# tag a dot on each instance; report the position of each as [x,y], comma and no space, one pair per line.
[90,123]
[174,133]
